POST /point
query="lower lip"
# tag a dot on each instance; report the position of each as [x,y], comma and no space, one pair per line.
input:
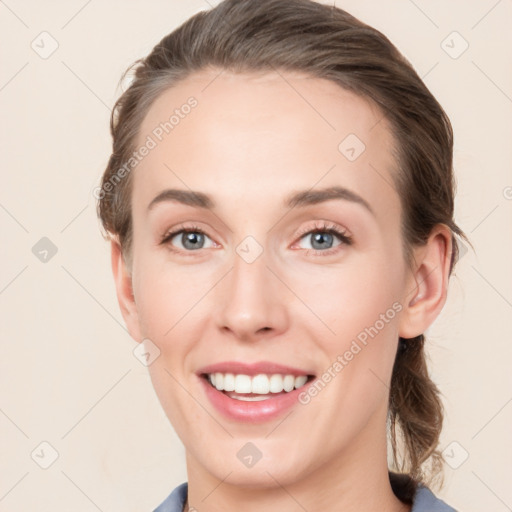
[252,412]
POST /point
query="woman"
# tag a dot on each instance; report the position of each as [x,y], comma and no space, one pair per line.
[251,136]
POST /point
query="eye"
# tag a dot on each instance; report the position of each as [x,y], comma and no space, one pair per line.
[191,238]
[323,236]
[188,239]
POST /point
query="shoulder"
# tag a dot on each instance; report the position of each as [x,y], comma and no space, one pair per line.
[421,497]
[175,501]
[416,494]
[426,501]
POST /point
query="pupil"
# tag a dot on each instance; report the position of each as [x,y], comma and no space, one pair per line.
[192,238]
[321,237]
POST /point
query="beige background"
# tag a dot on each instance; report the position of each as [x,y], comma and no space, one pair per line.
[68,376]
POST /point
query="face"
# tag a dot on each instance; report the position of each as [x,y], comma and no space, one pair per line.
[295,258]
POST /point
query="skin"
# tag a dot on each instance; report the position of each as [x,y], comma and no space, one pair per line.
[250,142]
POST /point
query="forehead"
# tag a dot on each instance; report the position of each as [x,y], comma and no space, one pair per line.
[273,130]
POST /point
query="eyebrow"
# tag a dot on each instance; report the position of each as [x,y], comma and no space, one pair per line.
[309,197]
[297,199]
[188,197]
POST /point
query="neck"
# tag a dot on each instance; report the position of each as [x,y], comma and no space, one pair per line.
[352,480]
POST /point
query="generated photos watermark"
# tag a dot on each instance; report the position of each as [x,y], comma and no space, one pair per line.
[151,142]
[356,346]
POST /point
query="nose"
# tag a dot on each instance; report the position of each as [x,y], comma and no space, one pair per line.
[251,301]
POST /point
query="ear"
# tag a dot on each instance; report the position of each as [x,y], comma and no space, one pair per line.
[428,283]
[124,290]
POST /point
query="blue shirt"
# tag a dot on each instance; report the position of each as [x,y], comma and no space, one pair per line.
[424,500]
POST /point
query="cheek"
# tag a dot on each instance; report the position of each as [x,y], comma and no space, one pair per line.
[169,309]
[359,306]
[166,297]
[346,300]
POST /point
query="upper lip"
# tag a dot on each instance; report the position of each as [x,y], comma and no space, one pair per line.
[241,368]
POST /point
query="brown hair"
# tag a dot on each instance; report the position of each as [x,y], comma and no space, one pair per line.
[325,42]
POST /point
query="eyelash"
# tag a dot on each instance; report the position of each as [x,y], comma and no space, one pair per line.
[331,229]
[323,228]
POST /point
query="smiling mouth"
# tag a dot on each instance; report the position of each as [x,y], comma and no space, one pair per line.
[255,388]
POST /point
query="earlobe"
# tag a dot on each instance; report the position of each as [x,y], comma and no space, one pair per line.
[124,291]
[426,296]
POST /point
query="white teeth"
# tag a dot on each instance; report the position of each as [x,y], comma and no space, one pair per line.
[260,384]
[300,381]
[219,381]
[289,383]
[256,398]
[243,384]
[229,382]
[276,384]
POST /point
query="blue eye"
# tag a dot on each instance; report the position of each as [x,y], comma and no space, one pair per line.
[323,237]
[192,239]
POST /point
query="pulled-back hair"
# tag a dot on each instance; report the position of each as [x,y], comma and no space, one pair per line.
[324,42]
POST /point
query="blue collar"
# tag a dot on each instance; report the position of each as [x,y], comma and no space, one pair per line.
[424,501]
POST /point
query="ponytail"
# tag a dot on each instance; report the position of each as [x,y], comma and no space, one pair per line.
[416,412]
